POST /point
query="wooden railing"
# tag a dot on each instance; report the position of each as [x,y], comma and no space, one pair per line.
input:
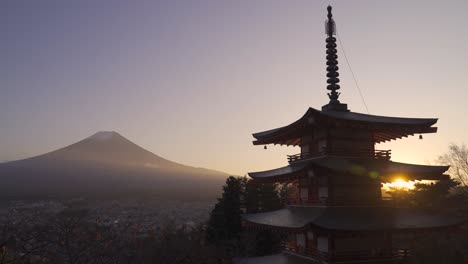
[370,255]
[297,201]
[367,153]
[308,252]
[344,256]
[384,201]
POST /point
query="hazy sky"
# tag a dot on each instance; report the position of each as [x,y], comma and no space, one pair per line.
[192,80]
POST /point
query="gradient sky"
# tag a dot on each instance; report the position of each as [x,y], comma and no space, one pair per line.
[192,80]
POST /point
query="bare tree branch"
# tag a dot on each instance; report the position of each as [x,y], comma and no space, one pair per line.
[457,159]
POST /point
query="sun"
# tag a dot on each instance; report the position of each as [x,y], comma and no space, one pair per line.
[401,184]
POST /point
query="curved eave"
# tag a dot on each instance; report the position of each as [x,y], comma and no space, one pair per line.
[384,128]
[352,219]
[387,170]
[415,172]
[384,168]
[287,135]
[285,218]
[379,120]
[282,258]
[290,171]
[411,219]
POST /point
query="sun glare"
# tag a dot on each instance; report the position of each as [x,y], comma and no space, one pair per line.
[401,184]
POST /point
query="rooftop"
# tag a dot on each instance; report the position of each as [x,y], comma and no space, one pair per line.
[282,258]
[385,170]
[352,218]
[384,128]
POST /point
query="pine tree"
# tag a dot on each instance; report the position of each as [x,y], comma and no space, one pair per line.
[262,197]
[252,197]
[225,219]
[269,197]
[225,225]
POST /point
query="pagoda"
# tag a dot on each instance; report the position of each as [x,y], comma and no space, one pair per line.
[337,213]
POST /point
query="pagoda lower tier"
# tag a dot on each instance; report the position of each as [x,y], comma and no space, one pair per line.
[332,180]
[378,169]
[346,234]
[350,218]
[336,212]
[281,258]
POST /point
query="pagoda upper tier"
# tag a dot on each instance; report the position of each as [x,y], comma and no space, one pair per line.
[372,128]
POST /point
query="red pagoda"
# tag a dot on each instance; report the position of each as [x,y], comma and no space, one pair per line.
[338,214]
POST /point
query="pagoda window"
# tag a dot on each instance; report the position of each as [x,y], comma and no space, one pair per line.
[305,148]
[322,243]
[323,194]
[301,240]
[291,242]
[294,192]
[321,144]
[313,193]
[304,194]
[308,189]
[311,247]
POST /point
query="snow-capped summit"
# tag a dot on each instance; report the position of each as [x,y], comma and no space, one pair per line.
[104,135]
[109,147]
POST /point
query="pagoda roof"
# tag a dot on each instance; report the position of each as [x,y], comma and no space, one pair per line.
[352,218]
[282,258]
[384,128]
[286,171]
[385,169]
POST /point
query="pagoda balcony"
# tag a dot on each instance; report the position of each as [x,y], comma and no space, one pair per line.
[342,152]
[368,256]
[384,201]
[305,202]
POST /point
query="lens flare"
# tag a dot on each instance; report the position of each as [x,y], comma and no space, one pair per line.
[401,184]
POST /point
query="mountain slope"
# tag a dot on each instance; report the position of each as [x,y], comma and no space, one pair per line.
[103,163]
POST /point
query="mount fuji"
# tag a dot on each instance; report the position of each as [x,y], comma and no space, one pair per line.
[103,164]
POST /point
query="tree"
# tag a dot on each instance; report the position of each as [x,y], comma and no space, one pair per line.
[425,195]
[269,197]
[457,159]
[71,236]
[225,219]
[401,197]
[434,194]
[438,248]
[225,225]
[284,192]
[22,238]
[251,197]
[262,197]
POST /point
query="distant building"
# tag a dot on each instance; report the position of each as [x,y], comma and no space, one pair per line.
[337,214]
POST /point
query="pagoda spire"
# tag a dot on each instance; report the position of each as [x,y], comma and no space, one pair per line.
[332,66]
[332,63]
